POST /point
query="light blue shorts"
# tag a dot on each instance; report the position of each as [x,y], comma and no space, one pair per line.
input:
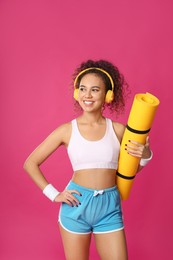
[99,212]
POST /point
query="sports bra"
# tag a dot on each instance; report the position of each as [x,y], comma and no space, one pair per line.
[85,154]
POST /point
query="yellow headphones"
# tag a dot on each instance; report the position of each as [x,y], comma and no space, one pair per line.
[110,93]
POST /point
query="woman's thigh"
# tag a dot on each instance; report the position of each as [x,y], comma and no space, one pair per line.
[76,246]
[111,246]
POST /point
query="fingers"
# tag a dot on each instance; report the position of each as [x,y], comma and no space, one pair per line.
[137,149]
[67,197]
[134,148]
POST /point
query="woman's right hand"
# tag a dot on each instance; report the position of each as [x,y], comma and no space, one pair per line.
[66,196]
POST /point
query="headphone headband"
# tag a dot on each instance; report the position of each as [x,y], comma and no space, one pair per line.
[92,68]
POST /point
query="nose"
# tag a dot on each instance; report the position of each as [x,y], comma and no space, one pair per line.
[88,94]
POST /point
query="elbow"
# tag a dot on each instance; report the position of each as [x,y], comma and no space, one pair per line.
[25,165]
[28,165]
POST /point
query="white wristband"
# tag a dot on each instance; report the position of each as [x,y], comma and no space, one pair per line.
[50,192]
[144,162]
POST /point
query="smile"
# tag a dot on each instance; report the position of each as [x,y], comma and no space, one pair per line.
[88,102]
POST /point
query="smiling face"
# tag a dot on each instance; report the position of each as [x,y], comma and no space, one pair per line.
[92,92]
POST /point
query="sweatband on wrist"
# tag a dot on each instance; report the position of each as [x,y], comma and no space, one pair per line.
[144,162]
[50,192]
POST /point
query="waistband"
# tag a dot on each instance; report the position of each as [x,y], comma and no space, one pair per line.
[82,188]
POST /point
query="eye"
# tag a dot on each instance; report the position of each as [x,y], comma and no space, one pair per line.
[81,89]
[95,89]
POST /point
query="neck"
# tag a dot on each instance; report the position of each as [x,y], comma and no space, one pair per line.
[92,117]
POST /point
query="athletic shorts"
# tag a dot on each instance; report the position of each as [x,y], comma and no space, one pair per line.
[99,212]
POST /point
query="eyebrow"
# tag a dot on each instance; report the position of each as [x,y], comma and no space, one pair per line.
[91,87]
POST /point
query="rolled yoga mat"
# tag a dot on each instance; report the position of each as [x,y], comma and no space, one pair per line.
[139,123]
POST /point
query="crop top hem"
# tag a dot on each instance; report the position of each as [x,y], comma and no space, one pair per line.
[99,165]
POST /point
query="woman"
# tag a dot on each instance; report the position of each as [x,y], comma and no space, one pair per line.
[91,202]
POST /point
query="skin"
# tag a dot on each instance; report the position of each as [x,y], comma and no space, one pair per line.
[92,126]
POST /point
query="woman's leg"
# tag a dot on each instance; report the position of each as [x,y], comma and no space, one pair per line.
[76,246]
[111,246]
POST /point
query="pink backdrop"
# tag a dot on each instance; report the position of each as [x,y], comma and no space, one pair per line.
[41,43]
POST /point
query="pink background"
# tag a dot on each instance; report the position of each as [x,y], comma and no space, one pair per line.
[41,42]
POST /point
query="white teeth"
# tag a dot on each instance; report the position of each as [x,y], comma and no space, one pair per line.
[88,102]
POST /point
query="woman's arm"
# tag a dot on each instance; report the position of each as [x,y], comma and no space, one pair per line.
[58,137]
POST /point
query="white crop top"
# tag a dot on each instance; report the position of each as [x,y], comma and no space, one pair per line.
[85,154]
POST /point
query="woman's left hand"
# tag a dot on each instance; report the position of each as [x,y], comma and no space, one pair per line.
[139,150]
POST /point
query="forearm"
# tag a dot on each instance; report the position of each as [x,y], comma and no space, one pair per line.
[48,189]
[36,174]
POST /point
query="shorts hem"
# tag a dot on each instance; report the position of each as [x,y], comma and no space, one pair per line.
[109,231]
[73,232]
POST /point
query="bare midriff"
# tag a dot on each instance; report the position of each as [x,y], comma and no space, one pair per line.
[97,179]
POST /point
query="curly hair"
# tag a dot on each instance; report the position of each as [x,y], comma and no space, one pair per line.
[120,85]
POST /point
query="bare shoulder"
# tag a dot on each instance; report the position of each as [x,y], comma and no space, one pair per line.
[63,127]
[119,129]
[63,133]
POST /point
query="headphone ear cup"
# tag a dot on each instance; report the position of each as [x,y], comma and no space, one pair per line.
[76,94]
[109,96]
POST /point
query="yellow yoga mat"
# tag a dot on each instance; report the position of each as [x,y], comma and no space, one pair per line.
[140,120]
